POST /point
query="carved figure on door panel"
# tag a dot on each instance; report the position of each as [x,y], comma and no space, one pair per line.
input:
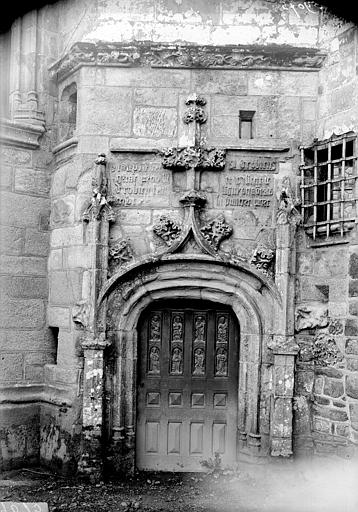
[155,328]
[221,362]
[199,358]
[154,360]
[177,328]
[222,330]
[176,362]
[199,328]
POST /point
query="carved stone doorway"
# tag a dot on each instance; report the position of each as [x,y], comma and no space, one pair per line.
[187,391]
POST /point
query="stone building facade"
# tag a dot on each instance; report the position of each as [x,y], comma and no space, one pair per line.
[179,266]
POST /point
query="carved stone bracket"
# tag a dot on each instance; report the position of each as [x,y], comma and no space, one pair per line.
[263,259]
[216,230]
[185,56]
[120,252]
[193,157]
[281,344]
[167,229]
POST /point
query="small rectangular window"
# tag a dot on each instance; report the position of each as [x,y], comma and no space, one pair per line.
[246,124]
[328,186]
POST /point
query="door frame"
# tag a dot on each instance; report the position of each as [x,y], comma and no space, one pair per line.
[254,302]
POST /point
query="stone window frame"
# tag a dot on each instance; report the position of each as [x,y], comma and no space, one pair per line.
[246,117]
[329,187]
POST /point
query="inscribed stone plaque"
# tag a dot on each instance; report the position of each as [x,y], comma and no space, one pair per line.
[247,182]
[139,180]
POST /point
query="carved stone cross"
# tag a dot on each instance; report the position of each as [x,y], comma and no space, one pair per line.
[195,156]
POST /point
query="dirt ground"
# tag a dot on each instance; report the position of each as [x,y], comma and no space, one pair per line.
[288,487]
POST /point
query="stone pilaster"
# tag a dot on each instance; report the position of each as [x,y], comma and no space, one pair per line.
[283,344]
[98,215]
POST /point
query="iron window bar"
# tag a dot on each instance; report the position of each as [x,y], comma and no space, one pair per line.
[329,186]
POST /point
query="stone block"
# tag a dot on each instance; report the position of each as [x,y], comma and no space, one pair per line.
[329,372]
[27,314]
[21,340]
[331,263]
[65,287]
[14,156]
[305,263]
[231,105]
[77,257]
[154,122]
[28,287]
[25,265]
[6,177]
[11,367]
[351,328]
[226,126]
[105,111]
[323,426]
[137,77]
[352,365]
[55,259]
[352,347]
[58,317]
[61,237]
[309,107]
[207,81]
[11,240]
[353,307]
[333,388]
[332,414]
[321,400]
[63,211]
[263,83]
[353,288]
[22,210]
[353,266]
[136,217]
[156,97]
[318,385]
[67,355]
[32,181]
[34,373]
[352,386]
[353,413]
[300,83]
[36,242]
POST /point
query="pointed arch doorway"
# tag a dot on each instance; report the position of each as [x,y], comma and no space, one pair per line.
[187,385]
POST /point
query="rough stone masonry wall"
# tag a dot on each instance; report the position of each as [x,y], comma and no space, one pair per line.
[327,280]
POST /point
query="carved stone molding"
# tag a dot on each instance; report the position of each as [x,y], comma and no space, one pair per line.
[20,134]
[196,156]
[167,229]
[216,230]
[186,56]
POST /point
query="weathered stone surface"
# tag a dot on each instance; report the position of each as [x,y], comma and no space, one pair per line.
[154,122]
[353,412]
[32,181]
[36,242]
[332,414]
[34,373]
[11,366]
[65,287]
[329,372]
[353,307]
[352,386]
[352,347]
[12,340]
[11,240]
[28,313]
[21,210]
[309,316]
[351,328]
[27,287]
[353,266]
[63,211]
[58,317]
[6,177]
[67,236]
[333,388]
[23,265]
[159,97]
[353,288]
[352,364]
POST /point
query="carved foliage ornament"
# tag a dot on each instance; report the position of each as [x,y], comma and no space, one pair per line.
[325,350]
[195,112]
[167,229]
[169,55]
[119,254]
[186,158]
[263,259]
[216,230]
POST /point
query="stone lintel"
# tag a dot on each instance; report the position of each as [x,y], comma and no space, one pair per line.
[159,55]
[22,135]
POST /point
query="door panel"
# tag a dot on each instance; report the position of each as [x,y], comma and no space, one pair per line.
[187,386]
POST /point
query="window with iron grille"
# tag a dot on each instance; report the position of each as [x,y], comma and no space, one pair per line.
[328,186]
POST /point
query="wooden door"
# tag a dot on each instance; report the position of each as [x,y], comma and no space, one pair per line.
[187,386]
